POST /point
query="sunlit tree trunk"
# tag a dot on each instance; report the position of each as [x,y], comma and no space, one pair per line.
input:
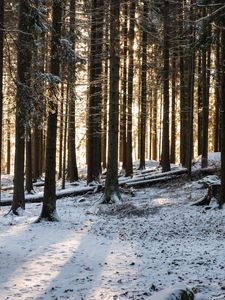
[1,78]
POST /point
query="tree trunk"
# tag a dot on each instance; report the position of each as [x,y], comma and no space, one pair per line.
[222,113]
[165,159]
[217,94]
[95,96]
[205,94]
[123,113]
[199,104]
[1,79]
[29,182]
[111,185]
[129,148]
[49,203]
[173,113]
[106,89]
[24,58]
[72,172]
[8,159]
[155,123]
[143,91]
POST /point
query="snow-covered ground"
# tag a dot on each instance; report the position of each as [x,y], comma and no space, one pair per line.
[153,240]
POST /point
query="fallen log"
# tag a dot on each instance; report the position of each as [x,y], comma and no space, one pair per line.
[148,182]
[11,187]
[153,176]
[37,198]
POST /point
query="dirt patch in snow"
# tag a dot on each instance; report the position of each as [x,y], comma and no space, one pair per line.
[128,210]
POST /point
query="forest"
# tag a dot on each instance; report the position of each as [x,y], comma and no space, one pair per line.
[112,149]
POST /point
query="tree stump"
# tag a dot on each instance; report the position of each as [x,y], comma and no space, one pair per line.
[175,293]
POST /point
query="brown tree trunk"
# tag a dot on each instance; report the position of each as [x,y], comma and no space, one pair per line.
[129,148]
[173,113]
[36,152]
[72,172]
[8,159]
[155,123]
[106,89]
[217,95]
[199,104]
[49,203]
[222,112]
[29,182]
[95,96]
[143,90]
[123,114]
[1,80]
[165,158]
[24,58]
[111,185]
[205,89]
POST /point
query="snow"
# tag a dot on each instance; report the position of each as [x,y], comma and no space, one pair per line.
[214,160]
[154,240]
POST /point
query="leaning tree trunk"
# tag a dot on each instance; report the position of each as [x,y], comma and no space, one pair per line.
[165,159]
[24,59]
[49,203]
[111,185]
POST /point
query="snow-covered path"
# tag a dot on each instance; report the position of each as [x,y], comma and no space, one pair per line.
[117,252]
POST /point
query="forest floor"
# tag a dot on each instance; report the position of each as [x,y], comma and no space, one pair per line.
[154,239]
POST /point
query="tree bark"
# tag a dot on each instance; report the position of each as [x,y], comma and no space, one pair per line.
[173,113]
[29,182]
[95,96]
[123,113]
[165,159]
[1,79]
[24,59]
[111,185]
[222,114]
[49,203]
[129,148]
[72,172]
[143,89]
